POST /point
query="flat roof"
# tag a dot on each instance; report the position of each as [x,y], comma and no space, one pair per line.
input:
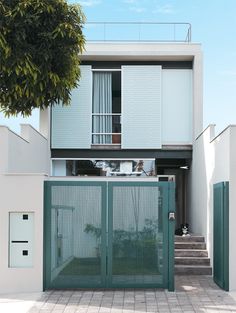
[111,51]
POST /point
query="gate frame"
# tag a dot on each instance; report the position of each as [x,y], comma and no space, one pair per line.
[168,192]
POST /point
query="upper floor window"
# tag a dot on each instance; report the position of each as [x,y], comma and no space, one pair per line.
[106,108]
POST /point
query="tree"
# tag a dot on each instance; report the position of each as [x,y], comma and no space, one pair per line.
[40,44]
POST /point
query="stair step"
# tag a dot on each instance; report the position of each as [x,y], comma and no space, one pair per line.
[192,261]
[190,245]
[191,253]
[193,270]
[191,238]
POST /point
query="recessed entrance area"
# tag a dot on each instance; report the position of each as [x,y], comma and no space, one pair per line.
[179,168]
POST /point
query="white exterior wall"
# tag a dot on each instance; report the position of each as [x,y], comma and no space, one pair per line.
[44,125]
[197,94]
[214,161]
[22,193]
[201,174]
[210,165]
[3,148]
[23,164]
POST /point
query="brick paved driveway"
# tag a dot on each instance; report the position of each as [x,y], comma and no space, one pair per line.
[193,294]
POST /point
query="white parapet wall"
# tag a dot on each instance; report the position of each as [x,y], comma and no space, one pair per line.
[214,161]
[24,163]
[24,153]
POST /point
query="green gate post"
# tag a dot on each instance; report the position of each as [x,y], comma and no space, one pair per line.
[226,236]
[171,237]
[221,235]
[47,235]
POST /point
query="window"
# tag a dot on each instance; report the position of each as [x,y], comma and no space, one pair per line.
[105,167]
[106,108]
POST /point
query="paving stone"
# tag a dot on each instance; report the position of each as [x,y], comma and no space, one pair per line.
[193,294]
[34,310]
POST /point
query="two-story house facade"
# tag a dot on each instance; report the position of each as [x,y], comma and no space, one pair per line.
[135,102]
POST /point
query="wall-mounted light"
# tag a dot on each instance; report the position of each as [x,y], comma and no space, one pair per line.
[184,167]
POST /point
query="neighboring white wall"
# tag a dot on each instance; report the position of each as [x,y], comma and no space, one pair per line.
[25,153]
[214,161]
[24,161]
[222,147]
[210,165]
[221,171]
[21,193]
[177,106]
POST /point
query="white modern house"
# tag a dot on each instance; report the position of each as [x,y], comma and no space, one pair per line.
[89,200]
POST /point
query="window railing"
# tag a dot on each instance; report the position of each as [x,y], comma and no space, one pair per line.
[106,128]
[110,138]
[138,31]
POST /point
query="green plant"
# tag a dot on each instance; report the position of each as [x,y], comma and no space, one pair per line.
[40,45]
[132,242]
[91,229]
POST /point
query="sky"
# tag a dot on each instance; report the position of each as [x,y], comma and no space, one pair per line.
[213,25]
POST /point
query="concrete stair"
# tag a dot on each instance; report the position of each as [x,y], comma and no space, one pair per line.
[191,256]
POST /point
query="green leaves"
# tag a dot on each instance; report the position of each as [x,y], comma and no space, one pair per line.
[40,45]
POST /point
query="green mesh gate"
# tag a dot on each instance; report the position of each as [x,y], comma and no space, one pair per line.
[221,235]
[108,234]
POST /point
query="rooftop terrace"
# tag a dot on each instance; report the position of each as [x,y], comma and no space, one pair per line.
[138,32]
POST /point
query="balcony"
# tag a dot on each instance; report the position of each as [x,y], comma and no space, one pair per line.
[138,32]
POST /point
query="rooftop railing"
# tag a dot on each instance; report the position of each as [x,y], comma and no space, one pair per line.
[138,31]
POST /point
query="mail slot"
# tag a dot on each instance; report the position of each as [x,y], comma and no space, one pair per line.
[21,235]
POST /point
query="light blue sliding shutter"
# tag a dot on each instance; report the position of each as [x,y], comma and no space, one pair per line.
[71,126]
[141,107]
[177,106]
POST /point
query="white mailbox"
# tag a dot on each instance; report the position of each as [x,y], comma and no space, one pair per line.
[21,237]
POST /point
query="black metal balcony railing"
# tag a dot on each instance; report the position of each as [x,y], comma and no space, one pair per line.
[138,31]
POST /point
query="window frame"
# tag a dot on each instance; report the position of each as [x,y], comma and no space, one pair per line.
[106,114]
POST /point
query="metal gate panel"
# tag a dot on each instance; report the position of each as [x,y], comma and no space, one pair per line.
[221,235]
[75,234]
[138,234]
